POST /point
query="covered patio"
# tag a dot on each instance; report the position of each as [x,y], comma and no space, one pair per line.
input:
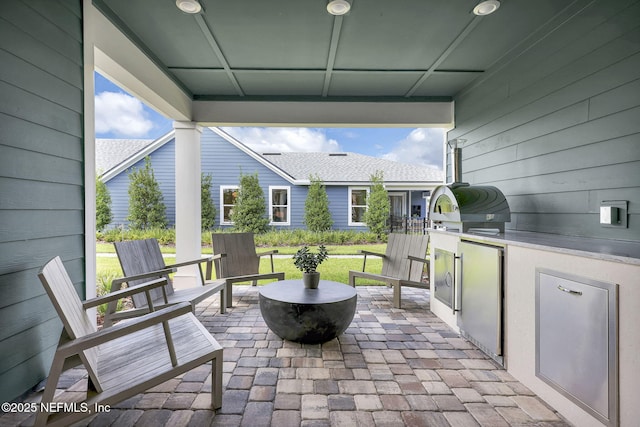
[543,97]
[392,367]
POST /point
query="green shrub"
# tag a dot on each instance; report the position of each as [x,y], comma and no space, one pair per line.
[165,236]
[206,202]
[146,206]
[250,209]
[103,283]
[272,238]
[317,216]
[103,205]
[378,206]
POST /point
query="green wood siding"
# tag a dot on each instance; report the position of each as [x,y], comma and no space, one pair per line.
[41,178]
[556,126]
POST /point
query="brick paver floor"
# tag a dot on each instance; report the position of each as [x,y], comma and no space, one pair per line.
[392,367]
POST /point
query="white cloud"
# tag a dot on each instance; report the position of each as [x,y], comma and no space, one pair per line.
[423,146]
[272,139]
[121,114]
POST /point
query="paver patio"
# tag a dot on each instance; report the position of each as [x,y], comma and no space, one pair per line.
[392,367]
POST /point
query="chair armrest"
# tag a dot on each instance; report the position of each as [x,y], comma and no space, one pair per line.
[122,293]
[148,275]
[208,258]
[365,253]
[272,252]
[121,329]
[418,259]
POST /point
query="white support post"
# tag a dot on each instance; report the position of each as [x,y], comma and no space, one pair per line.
[188,219]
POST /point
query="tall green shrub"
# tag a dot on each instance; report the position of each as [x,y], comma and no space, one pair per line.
[103,205]
[146,206]
[249,213]
[378,206]
[206,202]
[317,216]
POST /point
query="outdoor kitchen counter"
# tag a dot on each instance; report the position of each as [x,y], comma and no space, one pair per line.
[602,249]
[527,255]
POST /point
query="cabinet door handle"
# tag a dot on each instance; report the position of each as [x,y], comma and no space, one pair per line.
[569,291]
[454,303]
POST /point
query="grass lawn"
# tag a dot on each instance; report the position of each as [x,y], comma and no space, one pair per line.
[335,269]
[283,250]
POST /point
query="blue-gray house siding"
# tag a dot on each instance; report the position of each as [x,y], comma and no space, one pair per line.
[558,130]
[163,163]
[226,162]
[41,178]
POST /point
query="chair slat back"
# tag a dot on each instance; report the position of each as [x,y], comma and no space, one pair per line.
[138,257]
[241,258]
[399,246]
[65,299]
[418,247]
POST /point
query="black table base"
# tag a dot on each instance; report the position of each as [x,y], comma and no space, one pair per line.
[309,316]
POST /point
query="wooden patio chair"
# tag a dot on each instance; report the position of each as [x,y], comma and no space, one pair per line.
[123,360]
[402,264]
[240,262]
[141,260]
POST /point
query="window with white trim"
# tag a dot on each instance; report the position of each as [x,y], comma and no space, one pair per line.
[280,205]
[357,205]
[228,197]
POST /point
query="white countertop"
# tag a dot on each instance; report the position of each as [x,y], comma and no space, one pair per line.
[602,249]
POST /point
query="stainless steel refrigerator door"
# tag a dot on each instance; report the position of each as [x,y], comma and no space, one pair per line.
[444,276]
[480,315]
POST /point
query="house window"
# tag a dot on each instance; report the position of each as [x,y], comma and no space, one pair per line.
[357,205]
[279,203]
[228,196]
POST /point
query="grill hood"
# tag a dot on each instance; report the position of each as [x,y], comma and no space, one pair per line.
[465,207]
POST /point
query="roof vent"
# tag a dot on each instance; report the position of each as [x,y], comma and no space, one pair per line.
[271,154]
[338,154]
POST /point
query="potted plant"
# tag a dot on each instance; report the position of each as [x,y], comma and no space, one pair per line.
[307,262]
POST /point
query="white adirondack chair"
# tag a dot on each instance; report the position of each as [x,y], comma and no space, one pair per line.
[402,264]
[125,359]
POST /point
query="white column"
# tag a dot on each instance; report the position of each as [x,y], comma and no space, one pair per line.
[188,219]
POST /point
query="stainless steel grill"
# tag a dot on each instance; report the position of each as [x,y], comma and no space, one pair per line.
[465,207]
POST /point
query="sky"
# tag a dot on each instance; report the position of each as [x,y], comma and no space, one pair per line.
[120,115]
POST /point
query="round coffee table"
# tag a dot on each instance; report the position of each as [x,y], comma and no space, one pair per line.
[309,316]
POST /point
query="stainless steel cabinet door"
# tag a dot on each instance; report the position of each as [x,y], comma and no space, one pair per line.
[576,340]
[480,305]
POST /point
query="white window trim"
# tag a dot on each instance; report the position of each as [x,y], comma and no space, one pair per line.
[350,222]
[222,188]
[280,187]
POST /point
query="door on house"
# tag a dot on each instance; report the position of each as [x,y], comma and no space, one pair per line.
[398,205]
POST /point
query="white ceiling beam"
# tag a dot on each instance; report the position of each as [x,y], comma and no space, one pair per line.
[324,114]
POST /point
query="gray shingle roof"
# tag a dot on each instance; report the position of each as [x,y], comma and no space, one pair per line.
[349,167]
[112,152]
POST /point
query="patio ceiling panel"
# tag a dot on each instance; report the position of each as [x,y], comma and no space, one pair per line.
[410,36]
[295,50]
[276,82]
[372,83]
[279,34]
[443,83]
[205,81]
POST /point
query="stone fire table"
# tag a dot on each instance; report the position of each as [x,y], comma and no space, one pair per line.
[309,316]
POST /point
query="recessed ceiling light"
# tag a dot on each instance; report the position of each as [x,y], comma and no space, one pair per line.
[486,7]
[338,7]
[189,6]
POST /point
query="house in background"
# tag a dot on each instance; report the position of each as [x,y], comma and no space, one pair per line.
[284,178]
